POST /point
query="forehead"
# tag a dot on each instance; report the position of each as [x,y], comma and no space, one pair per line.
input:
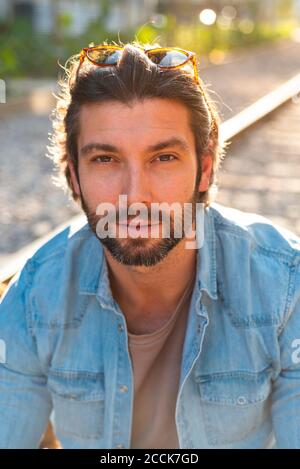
[141,122]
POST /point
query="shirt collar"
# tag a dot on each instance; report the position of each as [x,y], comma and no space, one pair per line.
[206,257]
[90,263]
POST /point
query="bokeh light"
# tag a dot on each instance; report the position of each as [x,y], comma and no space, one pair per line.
[246,26]
[229,12]
[208,16]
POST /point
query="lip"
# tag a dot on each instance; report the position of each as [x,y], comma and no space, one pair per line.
[140,224]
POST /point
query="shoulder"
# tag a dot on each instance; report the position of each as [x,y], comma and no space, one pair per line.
[258,233]
[65,240]
[258,266]
[51,292]
[50,283]
[66,252]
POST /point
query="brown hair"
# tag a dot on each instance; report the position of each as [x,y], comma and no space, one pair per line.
[134,78]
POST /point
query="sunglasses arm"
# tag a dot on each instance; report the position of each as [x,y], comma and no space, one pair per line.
[196,75]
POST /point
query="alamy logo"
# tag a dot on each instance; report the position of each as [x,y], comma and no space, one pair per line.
[158,220]
[2,351]
[296,353]
[2,92]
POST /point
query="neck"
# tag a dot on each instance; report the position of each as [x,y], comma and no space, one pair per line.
[151,294]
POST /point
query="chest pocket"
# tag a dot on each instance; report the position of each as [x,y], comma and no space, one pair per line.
[78,401]
[234,404]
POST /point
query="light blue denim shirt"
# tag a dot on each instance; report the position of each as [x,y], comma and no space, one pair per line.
[64,343]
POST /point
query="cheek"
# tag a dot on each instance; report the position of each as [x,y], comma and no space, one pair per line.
[180,188]
[97,189]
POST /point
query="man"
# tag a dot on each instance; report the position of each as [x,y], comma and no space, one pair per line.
[178,340]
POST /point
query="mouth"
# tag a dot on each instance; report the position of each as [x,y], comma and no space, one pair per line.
[138,225]
[147,230]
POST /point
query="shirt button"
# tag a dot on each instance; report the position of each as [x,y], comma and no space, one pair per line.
[120,446]
[123,388]
[241,400]
[120,328]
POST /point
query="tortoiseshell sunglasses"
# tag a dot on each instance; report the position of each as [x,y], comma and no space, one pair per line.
[163,57]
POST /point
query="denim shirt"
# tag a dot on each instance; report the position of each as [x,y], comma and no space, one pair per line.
[65,350]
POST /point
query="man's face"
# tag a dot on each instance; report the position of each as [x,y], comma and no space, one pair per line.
[145,151]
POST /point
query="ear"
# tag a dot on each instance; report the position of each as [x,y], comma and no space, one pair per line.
[207,165]
[74,179]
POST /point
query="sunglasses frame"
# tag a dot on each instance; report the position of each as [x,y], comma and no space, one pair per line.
[190,56]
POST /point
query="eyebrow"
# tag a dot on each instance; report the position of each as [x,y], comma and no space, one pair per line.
[171,142]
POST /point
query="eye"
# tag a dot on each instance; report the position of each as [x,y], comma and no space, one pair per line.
[166,157]
[103,159]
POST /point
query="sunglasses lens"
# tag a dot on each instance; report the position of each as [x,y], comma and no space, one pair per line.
[104,56]
[167,58]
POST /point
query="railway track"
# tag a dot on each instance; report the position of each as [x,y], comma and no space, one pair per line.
[261,171]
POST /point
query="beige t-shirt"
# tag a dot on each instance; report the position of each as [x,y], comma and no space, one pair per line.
[156,360]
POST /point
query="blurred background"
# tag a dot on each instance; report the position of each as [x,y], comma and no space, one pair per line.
[246,48]
[35,33]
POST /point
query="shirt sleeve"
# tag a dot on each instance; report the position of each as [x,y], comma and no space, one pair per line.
[25,403]
[286,389]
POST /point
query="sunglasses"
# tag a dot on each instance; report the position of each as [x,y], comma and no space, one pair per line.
[163,57]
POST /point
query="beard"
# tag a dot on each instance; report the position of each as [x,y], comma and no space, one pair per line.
[142,251]
[136,252]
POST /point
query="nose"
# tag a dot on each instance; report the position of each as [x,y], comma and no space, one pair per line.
[136,185]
